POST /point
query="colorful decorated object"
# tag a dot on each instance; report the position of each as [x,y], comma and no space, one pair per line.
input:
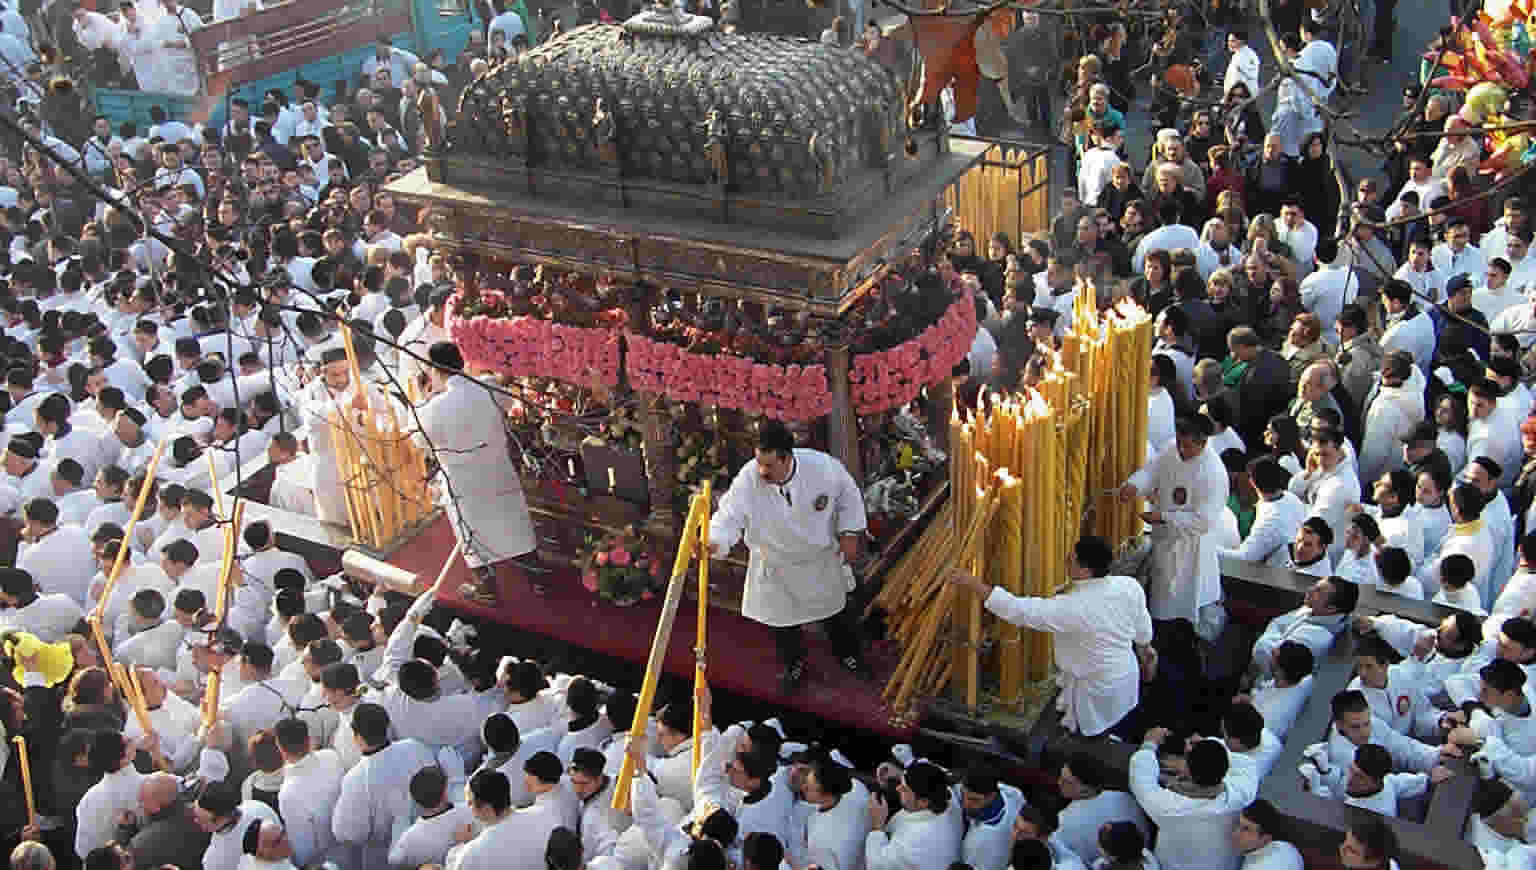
[620,567]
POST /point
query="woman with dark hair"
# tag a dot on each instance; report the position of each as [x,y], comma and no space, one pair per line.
[1154,289]
[1283,438]
[1242,125]
[1120,192]
[1315,185]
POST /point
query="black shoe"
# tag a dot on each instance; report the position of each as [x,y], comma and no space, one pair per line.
[791,678]
[856,666]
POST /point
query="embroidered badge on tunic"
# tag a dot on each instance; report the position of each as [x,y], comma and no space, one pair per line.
[821,502]
[1180,495]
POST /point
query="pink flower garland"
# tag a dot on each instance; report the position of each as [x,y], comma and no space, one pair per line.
[529,346]
[789,392]
[890,378]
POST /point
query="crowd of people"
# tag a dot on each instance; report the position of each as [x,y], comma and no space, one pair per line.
[1340,389]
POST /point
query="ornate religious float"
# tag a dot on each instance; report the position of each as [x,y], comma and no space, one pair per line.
[664,232]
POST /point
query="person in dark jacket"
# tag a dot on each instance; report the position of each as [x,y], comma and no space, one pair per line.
[1261,379]
[167,833]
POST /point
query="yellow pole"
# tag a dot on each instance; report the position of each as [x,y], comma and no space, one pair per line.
[213,482]
[133,520]
[703,602]
[654,662]
[25,764]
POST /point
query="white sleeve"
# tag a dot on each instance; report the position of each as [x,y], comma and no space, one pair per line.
[1266,536]
[730,519]
[1042,614]
[350,821]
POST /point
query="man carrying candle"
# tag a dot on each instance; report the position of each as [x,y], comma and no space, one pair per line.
[462,426]
[802,515]
[1185,485]
[1103,635]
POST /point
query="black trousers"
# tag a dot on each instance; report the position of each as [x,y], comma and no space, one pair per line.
[842,630]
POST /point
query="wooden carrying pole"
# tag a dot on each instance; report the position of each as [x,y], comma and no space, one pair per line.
[653,663]
[122,551]
[221,609]
[699,676]
[25,764]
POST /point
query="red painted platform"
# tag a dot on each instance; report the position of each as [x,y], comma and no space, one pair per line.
[742,656]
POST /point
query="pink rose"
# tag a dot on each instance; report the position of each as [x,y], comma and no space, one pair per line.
[601,558]
[647,595]
[619,556]
[589,580]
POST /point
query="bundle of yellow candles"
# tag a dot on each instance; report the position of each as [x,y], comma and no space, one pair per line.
[383,472]
[1028,469]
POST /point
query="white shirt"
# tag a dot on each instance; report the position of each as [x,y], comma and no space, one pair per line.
[1278,855]
[1165,238]
[914,840]
[1079,822]
[225,847]
[1280,705]
[1468,261]
[61,562]
[510,844]
[1094,171]
[311,787]
[1244,68]
[49,617]
[1275,522]
[1325,292]
[798,520]
[989,845]
[1316,633]
[1193,833]
[429,839]
[96,816]
[839,833]
[1302,241]
[375,806]
[1094,623]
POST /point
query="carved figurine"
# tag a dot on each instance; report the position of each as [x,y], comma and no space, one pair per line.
[605,130]
[514,120]
[717,137]
[821,152]
[426,104]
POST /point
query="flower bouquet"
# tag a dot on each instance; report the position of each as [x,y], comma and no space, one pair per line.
[620,567]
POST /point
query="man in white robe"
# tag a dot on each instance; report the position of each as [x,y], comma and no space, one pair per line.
[175,58]
[1194,819]
[375,806]
[801,515]
[1186,488]
[1103,634]
[463,425]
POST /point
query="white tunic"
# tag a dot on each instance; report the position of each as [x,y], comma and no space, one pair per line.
[1193,833]
[428,841]
[310,788]
[1280,705]
[375,806]
[1079,822]
[1274,525]
[1278,855]
[1095,623]
[795,573]
[988,846]
[224,848]
[1190,495]
[914,840]
[836,837]
[489,513]
[61,562]
[516,842]
[96,816]
[49,617]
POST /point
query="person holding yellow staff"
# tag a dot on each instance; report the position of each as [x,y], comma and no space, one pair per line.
[802,516]
[1102,633]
